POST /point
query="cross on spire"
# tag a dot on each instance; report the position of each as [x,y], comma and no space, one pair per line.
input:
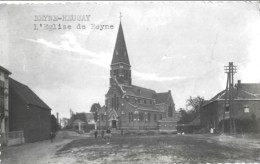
[120,16]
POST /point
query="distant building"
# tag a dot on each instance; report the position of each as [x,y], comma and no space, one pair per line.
[4,99]
[128,106]
[64,122]
[246,104]
[28,113]
[78,124]
[90,118]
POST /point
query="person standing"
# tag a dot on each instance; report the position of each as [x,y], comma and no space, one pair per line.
[108,135]
[96,133]
[52,136]
[102,134]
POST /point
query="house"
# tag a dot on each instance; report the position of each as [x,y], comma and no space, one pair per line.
[4,99]
[245,105]
[128,106]
[28,113]
[64,122]
[78,124]
[90,118]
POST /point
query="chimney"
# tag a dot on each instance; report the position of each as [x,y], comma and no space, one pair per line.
[169,91]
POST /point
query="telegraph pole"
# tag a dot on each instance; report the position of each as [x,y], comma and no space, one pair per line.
[228,107]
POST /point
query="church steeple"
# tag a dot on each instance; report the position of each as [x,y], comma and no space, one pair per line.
[120,54]
[120,65]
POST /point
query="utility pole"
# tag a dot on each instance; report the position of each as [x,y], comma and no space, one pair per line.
[228,104]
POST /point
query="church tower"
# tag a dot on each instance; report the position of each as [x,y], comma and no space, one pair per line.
[120,67]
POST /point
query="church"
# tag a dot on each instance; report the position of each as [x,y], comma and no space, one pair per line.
[128,106]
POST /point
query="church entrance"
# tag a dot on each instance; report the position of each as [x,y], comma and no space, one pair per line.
[113,123]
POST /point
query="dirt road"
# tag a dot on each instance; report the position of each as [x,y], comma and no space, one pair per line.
[38,152]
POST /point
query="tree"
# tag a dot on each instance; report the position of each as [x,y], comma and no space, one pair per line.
[186,116]
[194,103]
[94,109]
[54,124]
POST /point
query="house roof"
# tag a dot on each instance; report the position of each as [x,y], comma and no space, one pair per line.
[77,121]
[120,54]
[240,91]
[89,116]
[253,88]
[5,70]
[26,94]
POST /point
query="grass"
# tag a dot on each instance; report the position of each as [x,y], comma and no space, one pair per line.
[158,148]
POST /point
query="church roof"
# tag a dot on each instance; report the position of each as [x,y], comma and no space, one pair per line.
[161,97]
[26,94]
[120,54]
[139,91]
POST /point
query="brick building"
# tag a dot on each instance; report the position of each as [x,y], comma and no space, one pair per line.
[28,113]
[246,104]
[128,106]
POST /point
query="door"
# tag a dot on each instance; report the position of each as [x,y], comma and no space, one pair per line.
[113,123]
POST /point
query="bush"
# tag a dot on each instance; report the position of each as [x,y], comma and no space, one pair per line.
[247,125]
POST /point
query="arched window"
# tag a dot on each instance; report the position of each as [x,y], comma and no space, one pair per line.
[170,111]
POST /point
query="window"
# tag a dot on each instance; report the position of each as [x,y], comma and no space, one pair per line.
[112,102]
[116,73]
[131,116]
[227,108]
[145,101]
[160,116]
[2,97]
[149,117]
[141,116]
[246,109]
[155,117]
[169,111]
[117,103]
[125,74]
[139,101]
[151,102]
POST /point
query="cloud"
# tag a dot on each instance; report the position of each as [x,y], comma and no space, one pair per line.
[69,43]
[165,57]
[154,77]
[251,71]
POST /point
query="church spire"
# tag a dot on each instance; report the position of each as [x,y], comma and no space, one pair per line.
[120,54]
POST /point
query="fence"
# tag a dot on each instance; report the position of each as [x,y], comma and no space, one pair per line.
[13,138]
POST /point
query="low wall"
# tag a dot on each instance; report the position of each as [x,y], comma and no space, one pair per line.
[13,138]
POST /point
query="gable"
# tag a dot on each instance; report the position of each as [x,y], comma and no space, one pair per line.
[26,94]
[115,88]
[161,97]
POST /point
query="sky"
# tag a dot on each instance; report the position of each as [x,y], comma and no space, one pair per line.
[177,46]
